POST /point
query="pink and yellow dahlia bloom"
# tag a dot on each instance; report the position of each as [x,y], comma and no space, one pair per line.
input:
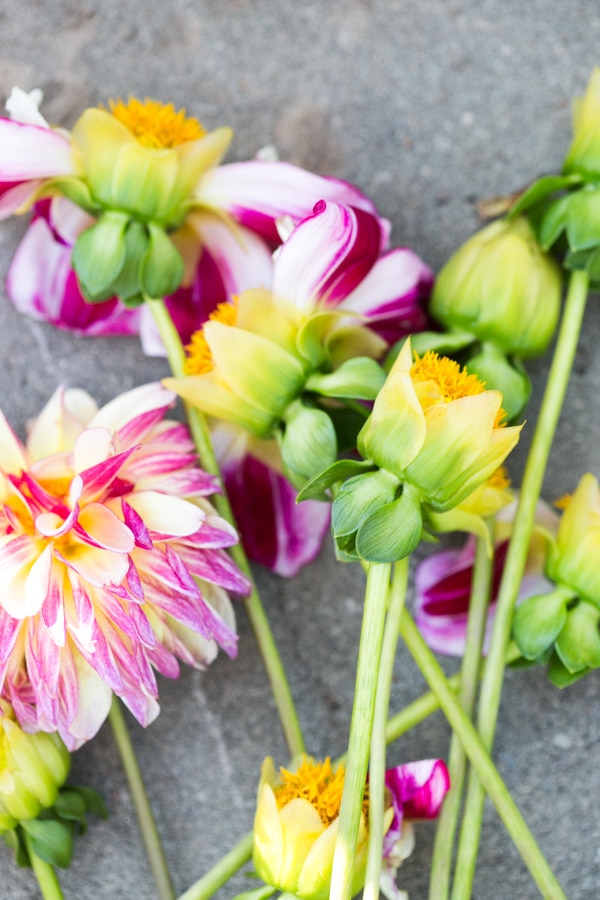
[112,561]
[297,819]
[156,167]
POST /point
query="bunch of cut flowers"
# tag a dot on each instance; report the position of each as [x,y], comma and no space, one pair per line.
[329,383]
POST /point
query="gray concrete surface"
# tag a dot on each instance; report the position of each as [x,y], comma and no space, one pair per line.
[429,107]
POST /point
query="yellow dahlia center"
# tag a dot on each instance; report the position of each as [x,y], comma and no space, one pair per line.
[156,125]
[449,381]
[199,358]
[316,782]
[499,479]
[563,502]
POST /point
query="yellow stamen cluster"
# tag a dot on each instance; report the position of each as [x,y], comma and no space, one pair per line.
[199,358]
[450,380]
[499,479]
[156,125]
[315,782]
[563,502]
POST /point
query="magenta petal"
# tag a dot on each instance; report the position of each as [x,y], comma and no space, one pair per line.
[326,256]
[29,151]
[276,531]
[417,790]
[257,193]
[41,284]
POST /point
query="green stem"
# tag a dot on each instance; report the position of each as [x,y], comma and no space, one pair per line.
[47,878]
[378,737]
[403,721]
[254,609]
[141,803]
[439,885]
[369,654]
[222,871]
[480,760]
[491,688]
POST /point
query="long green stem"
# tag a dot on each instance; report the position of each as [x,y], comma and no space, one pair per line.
[47,878]
[254,609]
[378,737]
[222,871]
[481,761]
[535,468]
[141,803]
[367,670]
[439,885]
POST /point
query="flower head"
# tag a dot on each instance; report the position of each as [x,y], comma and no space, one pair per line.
[297,815]
[140,205]
[32,769]
[434,436]
[112,561]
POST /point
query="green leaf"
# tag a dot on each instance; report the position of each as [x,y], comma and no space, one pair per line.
[360,378]
[498,373]
[540,189]
[393,531]
[161,269]
[341,470]
[560,676]
[51,840]
[14,840]
[551,221]
[127,285]
[538,621]
[99,255]
[583,221]
[70,805]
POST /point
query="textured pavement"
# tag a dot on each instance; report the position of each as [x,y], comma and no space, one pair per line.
[428,107]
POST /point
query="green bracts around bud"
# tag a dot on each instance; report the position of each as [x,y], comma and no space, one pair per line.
[32,769]
[502,288]
[308,443]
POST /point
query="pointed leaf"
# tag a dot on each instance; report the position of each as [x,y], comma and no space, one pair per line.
[539,621]
[360,378]
[341,470]
[52,841]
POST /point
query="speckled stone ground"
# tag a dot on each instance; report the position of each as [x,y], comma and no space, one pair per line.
[429,107]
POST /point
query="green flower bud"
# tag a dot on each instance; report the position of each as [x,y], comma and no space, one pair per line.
[32,769]
[501,287]
[584,153]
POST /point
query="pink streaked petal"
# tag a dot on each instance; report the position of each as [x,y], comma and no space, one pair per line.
[393,294]
[287,535]
[55,430]
[164,514]
[28,151]
[42,284]
[9,632]
[139,427]
[99,567]
[15,197]
[154,461]
[165,662]
[68,219]
[137,526]
[192,482]
[104,529]
[326,256]
[53,609]
[257,193]
[219,630]
[119,412]
[13,455]
[417,790]
[17,556]
[91,706]
[145,709]
[53,525]
[189,646]
[143,629]
[244,260]
[101,657]
[217,567]
[92,447]
[97,479]
[159,577]
[214,533]
[37,584]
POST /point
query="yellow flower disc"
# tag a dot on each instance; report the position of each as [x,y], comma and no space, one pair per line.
[156,125]
[315,782]
[199,357]
[450,380]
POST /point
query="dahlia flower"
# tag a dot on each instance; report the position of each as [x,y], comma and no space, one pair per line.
[138,195]
[297,815]
[111,561]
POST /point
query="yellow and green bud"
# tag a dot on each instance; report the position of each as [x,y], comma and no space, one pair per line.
[500,287]
[32,769]
[583,157]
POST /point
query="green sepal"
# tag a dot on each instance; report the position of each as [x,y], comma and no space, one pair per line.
[341,470]
[75,190]
[578,644]
[347,422]
[14,840]
[161,269]
[393,531]
[539,620]
[127,285]
[550,220]
[560,676]
[498,373]
[583,220]
[540,189]
[308,444]
[360,378]
[312,337]
[51,840]
[99,256]
[359,497]
[74,803]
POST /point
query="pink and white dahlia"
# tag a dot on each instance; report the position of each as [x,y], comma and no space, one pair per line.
[149,163]
[112,561]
